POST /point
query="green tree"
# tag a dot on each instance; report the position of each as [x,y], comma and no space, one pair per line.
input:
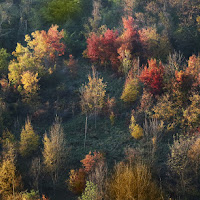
[90,192]
[55,151]
[4,56]
[61,10]
[29,140]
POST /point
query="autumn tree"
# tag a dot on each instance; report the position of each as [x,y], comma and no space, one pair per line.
[154,44]
[130,40]
[30,86]
[152,77]
[46,45]
[135,129]
[92,97]
[182,86]
[25,61]
[182,168]
[131,88]
[102,48]
[110,48]
[7,139]
[94,21]
[29,140]
[132,182]
[192,113]
[168,111]
[90,161]
[55,151]
[10,180]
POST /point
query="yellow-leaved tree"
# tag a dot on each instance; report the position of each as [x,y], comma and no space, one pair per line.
[25,61]
[29,140]
[29,81]
[135,129]
[131,88]
[10,180]
[55,151]
[92,97]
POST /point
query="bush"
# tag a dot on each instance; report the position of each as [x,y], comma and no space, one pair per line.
[76,181]
[135,129]
[131,88]
[132,182]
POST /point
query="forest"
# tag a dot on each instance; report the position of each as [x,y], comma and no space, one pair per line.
[99,99]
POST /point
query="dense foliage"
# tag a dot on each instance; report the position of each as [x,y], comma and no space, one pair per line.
[99,99]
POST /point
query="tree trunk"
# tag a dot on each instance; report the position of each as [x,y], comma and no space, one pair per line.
[85,130]
[95,117]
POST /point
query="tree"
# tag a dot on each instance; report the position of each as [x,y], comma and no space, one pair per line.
[4,56]
[131,88]
[25,61]
[30,85]
[132,182]
[135,129]
[90,192]
[90,161]
[192,113]
[61,10]
[29,140]
[102,48]
[10,180]
[182,166]
[92,96]
[129,41]
[152,77]
[46,45]
[55,151]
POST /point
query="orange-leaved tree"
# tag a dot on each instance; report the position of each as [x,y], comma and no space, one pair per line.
[47,45]
[90,160]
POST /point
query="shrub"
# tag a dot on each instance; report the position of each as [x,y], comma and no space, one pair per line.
[90,161]
[131,88]
[77,181]
[132,182]
[184,165]
[135,129]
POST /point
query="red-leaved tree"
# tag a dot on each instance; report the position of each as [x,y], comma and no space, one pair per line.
[103,48]
[110,48]
[130,39]
[152,77]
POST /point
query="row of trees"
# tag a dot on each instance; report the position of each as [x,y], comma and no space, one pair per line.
[55,153]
